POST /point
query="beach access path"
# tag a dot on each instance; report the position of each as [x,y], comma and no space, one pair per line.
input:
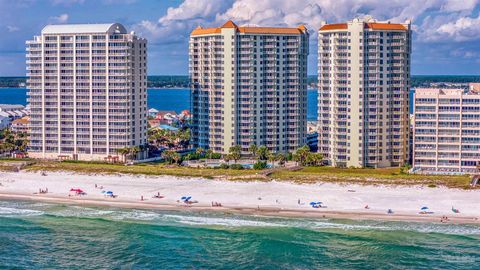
[269,198]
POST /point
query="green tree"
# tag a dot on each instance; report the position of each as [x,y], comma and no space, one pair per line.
[281,158]
[170,156]
[263,153]
[209,153]
[253,149]
[123,152]
[199,151]
[272,158]
[301,156]
[235,152]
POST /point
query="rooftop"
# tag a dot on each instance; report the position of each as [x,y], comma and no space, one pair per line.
[9,107]
[21,121]
[432,91]
[250,30]
[369,23]
[111,28]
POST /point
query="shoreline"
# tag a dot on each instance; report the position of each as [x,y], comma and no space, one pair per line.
[273,199]
[249,211]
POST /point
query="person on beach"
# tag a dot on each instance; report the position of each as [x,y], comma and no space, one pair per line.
[141,198]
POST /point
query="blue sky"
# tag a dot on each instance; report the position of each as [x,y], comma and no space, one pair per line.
[446,32]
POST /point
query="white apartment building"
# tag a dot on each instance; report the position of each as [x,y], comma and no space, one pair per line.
[249,86]
[87,91]
[363,88]
[446,131]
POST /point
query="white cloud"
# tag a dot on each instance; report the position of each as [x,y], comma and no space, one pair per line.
[463,29]
[12,28]
[179,21]
[459,5]
[62,18]
[434,20]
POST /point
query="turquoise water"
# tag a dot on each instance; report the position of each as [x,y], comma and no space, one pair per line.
[39,236]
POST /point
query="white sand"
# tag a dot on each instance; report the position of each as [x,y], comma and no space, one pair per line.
[277,198]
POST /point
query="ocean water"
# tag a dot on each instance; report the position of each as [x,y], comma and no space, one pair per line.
[54,236]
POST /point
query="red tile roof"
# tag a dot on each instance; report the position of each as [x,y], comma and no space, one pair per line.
[250,30]
[373,26]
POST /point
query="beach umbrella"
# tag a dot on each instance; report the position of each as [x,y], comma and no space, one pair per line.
[424,208]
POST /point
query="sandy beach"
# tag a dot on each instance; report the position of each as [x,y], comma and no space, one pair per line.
[254,198]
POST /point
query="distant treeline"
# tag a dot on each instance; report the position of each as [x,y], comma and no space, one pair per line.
[12,82]
[180,81]
[426,80]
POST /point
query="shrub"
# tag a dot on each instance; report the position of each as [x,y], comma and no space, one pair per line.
[224,166]
[236,167]
[216,156]
[260,165]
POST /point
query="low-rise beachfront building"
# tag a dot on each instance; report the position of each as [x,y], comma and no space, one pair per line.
[87,91]
[363,93]
[446,130]
[21,124]
[249,86]
[11,107]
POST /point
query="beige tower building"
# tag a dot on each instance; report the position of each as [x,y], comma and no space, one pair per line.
[87,91]
[363,90]
[249,86]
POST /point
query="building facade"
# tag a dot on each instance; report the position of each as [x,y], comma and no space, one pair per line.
[446,131]
[87,91]
[363,89]
[249,86]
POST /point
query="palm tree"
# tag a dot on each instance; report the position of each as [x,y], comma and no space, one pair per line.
[134,152]
[235,152]
[123,152]
[168,155]
[253,149]
[272,158]
[263,153]
[199,151]
[209,153]
[176,157]
[301,155]
[281,158]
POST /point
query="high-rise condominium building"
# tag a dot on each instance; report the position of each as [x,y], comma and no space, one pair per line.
[87,91]
[249,86]
[363,88]
[446,130]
